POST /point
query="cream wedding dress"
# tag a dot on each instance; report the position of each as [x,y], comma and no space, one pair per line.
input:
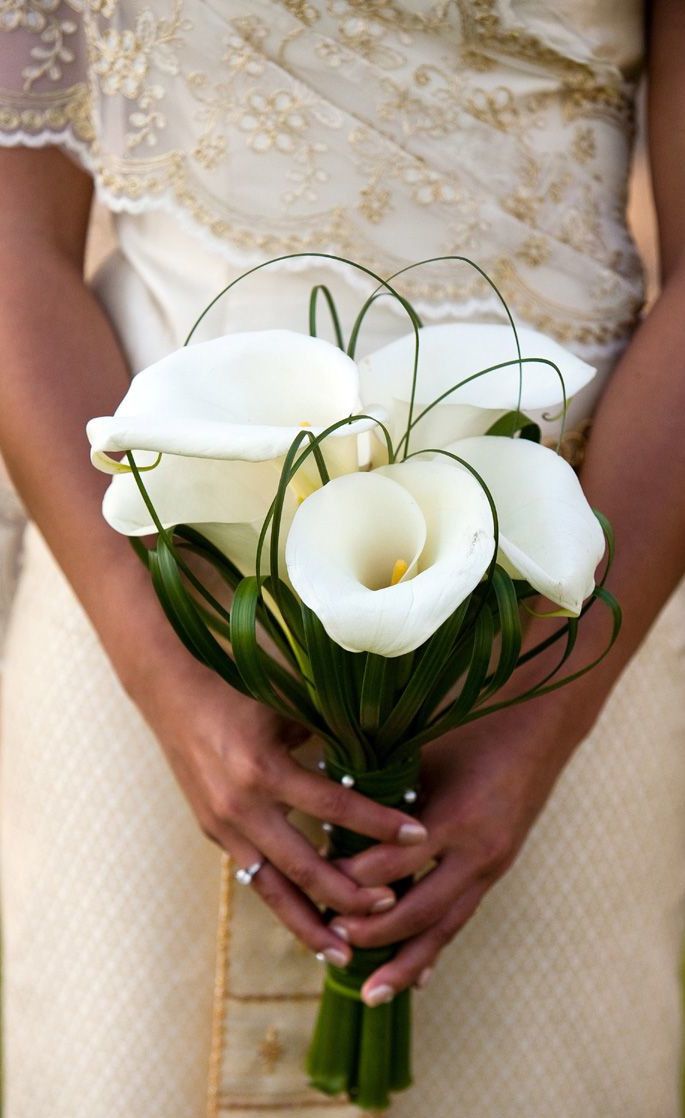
[220,133]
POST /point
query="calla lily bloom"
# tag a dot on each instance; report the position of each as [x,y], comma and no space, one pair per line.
[548,533]
[383,558]
[243,396]
[222,414]
[449,354]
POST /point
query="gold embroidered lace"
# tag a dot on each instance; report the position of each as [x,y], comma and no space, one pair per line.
[378,130]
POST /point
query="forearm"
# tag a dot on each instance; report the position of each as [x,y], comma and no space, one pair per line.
[634,472]
[635,467]
[61,365]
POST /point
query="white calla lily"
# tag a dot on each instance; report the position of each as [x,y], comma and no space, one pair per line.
[548,532]
[222,414]
[243,396]
[383,558]
[449,354]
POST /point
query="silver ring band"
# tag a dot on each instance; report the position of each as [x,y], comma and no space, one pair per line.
[244,876]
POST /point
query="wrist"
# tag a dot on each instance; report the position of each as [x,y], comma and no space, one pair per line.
[539,730]
[571,709]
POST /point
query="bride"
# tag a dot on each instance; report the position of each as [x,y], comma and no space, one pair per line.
[220,134]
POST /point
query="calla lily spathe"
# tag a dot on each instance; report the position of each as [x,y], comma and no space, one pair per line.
[222,414]
[548,534]
[243,396]
[449,354]
[424,526]
[227,501]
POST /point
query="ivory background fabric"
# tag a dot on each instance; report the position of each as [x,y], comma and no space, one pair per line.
[562,996]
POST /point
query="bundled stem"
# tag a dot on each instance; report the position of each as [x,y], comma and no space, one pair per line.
[361,1050]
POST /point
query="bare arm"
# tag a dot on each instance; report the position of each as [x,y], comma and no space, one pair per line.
[487,783]
[61,364]
[635,465]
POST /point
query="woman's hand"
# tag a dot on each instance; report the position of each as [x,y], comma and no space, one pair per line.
[482,788]
[232,758]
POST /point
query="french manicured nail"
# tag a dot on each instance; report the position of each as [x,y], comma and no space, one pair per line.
[379,995]
[424,978]
[334,956]
[411,833]
[340,931]
[384,903]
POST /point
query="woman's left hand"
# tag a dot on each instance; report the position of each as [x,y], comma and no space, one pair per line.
[481,789]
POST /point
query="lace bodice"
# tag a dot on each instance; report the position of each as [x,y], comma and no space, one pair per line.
[382,130]
[379,130]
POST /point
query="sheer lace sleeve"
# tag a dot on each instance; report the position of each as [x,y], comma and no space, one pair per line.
[43,88]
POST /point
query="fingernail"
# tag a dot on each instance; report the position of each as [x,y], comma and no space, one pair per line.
[411,833]
[333,955]
[383,903]
[378,995]
[424,978]
[341,931]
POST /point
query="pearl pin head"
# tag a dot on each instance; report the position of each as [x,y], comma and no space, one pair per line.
[348,781]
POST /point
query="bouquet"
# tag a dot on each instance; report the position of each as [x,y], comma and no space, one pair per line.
[381,526]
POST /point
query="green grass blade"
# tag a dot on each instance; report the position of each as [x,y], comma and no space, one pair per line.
[333,676]
[372,693]
[510,635]
[321,289]
[255,666]
[384,283]
[140,550]
[608,530]
[457,711]
[428,666]
[600,593]
[200,545]
[184,616]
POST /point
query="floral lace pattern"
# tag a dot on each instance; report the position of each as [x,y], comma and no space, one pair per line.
[499,128]
[54,25]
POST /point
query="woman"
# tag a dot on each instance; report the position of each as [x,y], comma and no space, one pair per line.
[220,134]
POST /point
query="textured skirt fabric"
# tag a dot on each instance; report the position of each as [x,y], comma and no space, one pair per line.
[560,999]
[108,887]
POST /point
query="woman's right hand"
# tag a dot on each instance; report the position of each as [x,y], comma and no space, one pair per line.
[232,758]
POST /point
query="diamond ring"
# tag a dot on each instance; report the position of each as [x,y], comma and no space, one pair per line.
[244,876]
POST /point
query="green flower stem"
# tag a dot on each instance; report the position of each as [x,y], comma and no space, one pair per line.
[400,1057]
[362,1051]
[375,1051]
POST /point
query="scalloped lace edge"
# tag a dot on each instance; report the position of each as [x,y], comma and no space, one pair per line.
[487,304]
